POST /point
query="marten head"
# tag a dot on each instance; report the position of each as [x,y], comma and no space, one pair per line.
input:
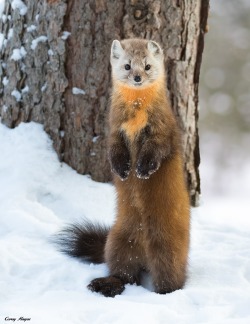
[136,62]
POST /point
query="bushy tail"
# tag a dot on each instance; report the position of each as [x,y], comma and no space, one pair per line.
[85,241]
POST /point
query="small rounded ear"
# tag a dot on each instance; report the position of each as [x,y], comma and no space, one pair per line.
[116,49]
[154,48]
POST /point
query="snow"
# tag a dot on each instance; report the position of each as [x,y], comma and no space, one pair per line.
[5,81]
[4,17]
[18,4]
[44,87]
[18,54]
[65,35]
[15,93]
[95,139]
[50,52]
[35,42]
[39,195]
[77,91]
[1,40]
[26,89]
[10,33]
[5,108]
[31,28]
[2,3]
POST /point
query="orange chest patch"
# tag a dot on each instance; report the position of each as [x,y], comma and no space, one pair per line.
[137,122]
[138,97]
[138,104]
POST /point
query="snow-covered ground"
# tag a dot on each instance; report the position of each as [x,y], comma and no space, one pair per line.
[38,195]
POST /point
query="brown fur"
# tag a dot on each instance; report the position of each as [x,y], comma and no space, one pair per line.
[151,231]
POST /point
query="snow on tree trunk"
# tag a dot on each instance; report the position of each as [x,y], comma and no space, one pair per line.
[55,70]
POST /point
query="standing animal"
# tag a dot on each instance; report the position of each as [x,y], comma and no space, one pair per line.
[151,229]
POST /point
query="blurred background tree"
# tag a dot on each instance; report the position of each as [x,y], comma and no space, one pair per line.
[225,97]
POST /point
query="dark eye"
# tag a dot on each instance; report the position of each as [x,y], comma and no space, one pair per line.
[147,67]
[127,67]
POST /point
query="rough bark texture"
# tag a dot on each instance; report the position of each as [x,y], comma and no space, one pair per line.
[52,67]
[39,76]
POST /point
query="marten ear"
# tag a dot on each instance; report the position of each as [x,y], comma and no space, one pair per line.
[116,49]
[154,48]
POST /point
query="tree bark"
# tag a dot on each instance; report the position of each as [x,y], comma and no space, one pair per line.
[63,80]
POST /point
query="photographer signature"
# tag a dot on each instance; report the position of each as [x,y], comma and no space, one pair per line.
[13,319]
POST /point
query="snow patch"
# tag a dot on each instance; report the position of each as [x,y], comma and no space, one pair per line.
[5,81]
[44,87]
[50,52]
[35,42]
[18,54]
[15,93]
[1,40]
[2,3]
[18,4]
[5,108]
[25,89]
[95,139]
[78,91]
[31,28]
[10,33]
[65,35]
[4,17]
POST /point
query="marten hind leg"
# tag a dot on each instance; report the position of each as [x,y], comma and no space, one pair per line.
[108,286]
[167,276]
[167,252]
[125,258]
[124,267]
[167,264]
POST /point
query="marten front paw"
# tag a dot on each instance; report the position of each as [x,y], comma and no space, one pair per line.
[120,164]
[147,164]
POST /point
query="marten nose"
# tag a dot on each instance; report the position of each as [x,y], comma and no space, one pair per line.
[137,78]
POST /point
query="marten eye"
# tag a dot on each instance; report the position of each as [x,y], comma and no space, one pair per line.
[147,67]
[127,67]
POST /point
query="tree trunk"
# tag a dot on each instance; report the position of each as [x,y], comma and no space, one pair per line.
[63,80]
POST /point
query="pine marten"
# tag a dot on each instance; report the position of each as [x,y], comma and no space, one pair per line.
[151,230]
